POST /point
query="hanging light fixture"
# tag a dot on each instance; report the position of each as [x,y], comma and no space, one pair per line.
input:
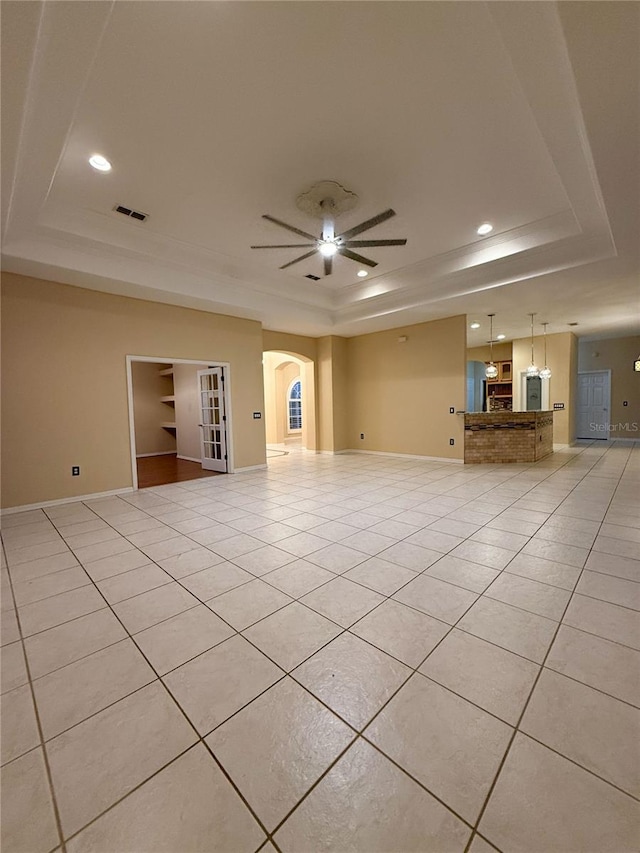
[532,370]
[545,373]
[491,371]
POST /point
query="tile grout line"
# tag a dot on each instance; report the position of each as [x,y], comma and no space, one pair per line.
[531,692]
[367,556]
[42,744]
[159,678]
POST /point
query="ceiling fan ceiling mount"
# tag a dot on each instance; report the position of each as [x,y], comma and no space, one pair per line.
[326,200]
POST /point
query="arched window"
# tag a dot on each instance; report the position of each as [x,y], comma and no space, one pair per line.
[294,400]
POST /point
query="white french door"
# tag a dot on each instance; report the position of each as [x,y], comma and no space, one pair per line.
[213,421]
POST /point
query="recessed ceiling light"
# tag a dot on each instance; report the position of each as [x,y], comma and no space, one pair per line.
[500,337]
[362,273]
[485,228]
[100,163]
[474,326]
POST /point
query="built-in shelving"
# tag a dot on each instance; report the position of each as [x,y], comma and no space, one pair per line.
[168,399]
[500,389]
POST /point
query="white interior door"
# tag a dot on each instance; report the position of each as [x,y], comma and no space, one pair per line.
[213,421]
[593,405]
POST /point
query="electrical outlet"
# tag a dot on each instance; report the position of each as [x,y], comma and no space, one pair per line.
[361,435]
[625,402]
[75,471]
[452,441]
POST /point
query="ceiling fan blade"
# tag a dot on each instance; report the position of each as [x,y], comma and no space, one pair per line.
[288,227]
[301,258]
[364,226]
[357,258]
[328,266]
[375,243]
[286,246]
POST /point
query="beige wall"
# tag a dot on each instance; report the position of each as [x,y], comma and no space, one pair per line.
[149,410]
[270,362]
[400,393]
[295,344]
[562,360]
[618,356]
[188,419]
[501,352]
[63,353]
[332,384]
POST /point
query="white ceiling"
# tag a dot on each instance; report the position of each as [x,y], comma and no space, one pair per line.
[212,114]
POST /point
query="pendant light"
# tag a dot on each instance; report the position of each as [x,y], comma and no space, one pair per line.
[491,371]
[545,373]
[532,370]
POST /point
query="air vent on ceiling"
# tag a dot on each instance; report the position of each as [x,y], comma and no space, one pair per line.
[313,277]
[134,214]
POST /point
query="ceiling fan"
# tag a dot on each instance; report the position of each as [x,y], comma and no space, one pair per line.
[330,244]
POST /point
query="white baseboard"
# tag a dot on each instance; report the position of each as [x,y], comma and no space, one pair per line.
[96,496]
[405,456]
[249,468]
[190,459]
[160,453]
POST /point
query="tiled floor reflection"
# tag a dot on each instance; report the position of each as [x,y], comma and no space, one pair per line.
[347,653]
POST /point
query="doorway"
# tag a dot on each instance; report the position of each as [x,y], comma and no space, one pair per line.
[534,394]
[289,403]
[179,420]
[594,404]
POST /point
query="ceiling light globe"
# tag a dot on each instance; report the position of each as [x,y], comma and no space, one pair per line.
[491,372]
[545,373]
[485,228]
[327,249]
[100,163]
[532,371]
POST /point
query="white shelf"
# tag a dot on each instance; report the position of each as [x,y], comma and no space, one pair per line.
[168,425]
[168,399]
[167,372]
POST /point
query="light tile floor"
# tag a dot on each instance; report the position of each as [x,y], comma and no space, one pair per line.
[348,653]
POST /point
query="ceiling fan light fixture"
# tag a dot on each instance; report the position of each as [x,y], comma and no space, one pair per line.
[545,373]
[491,371]
[532,371]
[327,248]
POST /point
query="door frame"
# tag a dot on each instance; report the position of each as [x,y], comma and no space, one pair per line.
[129,359]
[608,432]
[545,403]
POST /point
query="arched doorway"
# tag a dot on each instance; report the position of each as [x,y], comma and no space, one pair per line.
[289,401]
